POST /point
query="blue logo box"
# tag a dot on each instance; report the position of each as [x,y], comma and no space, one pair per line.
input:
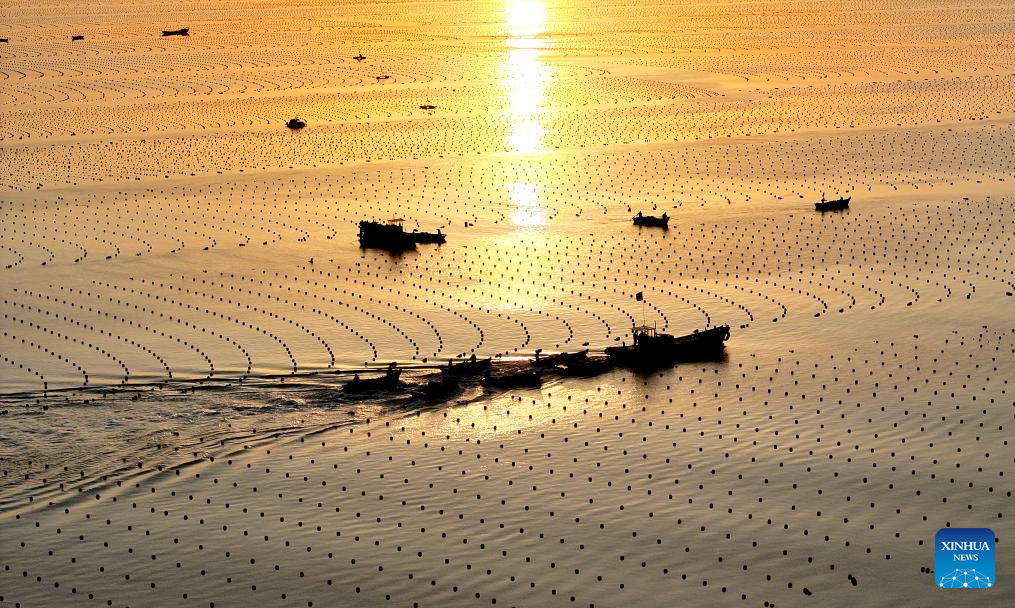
[964,558]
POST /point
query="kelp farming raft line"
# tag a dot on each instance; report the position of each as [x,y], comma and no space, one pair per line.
[391,236]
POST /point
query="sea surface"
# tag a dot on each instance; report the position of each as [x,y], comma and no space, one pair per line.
[184,297]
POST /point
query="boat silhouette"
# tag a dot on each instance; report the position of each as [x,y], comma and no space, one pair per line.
[652,349]
[391,236]
[468,367]
[77,37]
[389,380]
[836,205]
[662,221]
[560,358]
[183,31]
[433,390]
[428,237]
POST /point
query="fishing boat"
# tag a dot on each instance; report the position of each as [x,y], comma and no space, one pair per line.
[560,358]
[183,31]
[469,367]
[428,237]
[77,37]
[587,368]
[296,123]
[437,389]
[662,221]
[390,236]
[836,205]
[389,380]
[427,106]
[652,349]
[522,379]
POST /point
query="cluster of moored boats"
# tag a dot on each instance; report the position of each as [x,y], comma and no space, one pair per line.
[649,350]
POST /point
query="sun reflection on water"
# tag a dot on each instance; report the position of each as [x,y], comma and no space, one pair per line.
[525,81]
[525,18]
[529,210]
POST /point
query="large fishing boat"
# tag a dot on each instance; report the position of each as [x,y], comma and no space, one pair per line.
[183,31]
[390,236]
[393,237]
[653,349]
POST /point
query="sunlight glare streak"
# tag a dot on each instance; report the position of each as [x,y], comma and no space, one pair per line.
[525,81]
[525,18]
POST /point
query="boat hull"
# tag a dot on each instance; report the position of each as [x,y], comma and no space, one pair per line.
[561,359]
[390,237]
[428,237]
[387,381]
[651,221]
[468,368]
[836,205]
[437,389]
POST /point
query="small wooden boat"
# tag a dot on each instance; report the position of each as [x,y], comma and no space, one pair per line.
[522,379]
[296,123]
[586,368]
[428,237]
[4,40]
[560,358]
[389,380]
[469,367]
[437,389]
[77,37]
[654,350]
[662,221]
[183,31]
[427,106]
[836,205]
